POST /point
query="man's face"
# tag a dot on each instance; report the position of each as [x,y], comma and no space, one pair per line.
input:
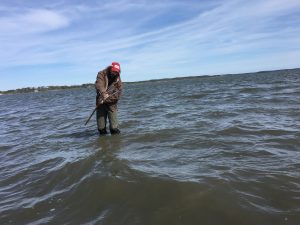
[114,73]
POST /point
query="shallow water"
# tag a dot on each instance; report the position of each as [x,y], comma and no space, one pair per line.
[198,150]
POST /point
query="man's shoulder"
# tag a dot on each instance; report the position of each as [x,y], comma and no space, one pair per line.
[102,72]
[119,83]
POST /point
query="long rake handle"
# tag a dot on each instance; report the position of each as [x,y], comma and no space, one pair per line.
[90,116]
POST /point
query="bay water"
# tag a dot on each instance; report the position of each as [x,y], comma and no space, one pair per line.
[195,150]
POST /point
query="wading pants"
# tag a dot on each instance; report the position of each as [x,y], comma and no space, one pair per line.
[103,112]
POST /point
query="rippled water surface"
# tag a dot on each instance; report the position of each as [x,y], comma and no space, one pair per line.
[198,150]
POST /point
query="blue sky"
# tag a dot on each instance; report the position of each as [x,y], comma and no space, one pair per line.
[67,42]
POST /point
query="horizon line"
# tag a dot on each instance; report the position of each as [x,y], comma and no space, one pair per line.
[159,79]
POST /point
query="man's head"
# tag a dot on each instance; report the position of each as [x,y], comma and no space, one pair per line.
[115,68]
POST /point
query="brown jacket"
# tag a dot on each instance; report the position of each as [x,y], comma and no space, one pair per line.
[102,86]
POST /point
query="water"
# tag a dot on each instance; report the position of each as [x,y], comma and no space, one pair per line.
[199,150]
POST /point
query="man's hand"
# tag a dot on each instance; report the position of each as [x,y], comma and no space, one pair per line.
[105,96]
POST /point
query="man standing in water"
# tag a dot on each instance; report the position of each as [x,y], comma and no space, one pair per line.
[108,86]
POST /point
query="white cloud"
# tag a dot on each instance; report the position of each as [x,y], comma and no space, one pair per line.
[32,21]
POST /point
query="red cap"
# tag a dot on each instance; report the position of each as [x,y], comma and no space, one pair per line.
[115,66]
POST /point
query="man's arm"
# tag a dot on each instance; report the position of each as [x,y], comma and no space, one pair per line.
[115,93]
[100,83]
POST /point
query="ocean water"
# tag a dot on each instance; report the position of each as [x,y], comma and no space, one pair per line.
[196,150]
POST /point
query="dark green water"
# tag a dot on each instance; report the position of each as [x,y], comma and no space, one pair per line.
[203,150]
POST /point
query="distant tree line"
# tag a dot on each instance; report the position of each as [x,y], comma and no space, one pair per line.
[45,88]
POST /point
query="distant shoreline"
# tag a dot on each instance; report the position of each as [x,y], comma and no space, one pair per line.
[91,85]
[44,89]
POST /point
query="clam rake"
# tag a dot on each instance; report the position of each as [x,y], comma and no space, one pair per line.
[116,92]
